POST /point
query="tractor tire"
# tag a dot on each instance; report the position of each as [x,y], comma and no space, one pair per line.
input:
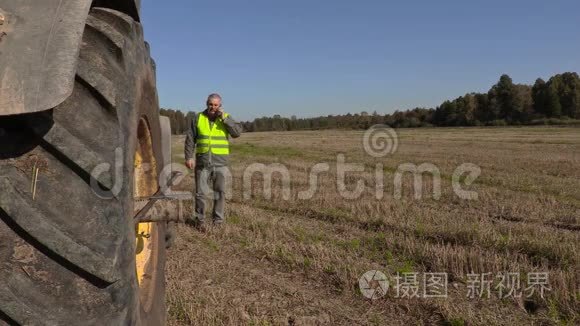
[70,252]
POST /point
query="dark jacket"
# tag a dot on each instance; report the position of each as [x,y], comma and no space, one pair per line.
[208,159]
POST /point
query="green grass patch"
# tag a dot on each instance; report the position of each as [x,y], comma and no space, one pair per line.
[407,267]
[211,244]
[234,219]
[351,245]
[307,262]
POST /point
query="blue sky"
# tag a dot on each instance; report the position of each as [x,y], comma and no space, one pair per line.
[311,58]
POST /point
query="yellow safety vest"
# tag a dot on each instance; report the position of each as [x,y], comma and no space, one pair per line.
[212,137]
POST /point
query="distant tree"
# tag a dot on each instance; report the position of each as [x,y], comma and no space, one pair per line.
[188,117]
[540,96]
[554,107]
[569,94]
[525,104]
[179,121]
[505,102]
[482,111]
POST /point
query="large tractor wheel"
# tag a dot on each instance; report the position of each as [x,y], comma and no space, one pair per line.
[70,252]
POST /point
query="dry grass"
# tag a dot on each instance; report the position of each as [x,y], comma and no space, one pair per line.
[298,261]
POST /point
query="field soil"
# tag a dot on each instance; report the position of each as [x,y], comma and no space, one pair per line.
[290,257]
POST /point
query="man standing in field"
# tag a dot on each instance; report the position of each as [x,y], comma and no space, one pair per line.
[208,137]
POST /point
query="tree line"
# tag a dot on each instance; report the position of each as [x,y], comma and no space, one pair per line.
[556,101]
[179,121]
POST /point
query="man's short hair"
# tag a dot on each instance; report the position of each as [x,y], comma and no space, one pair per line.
[213,96]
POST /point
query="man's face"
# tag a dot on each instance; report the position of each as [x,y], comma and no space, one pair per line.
[213,105]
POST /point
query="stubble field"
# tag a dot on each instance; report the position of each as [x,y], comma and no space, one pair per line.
[298,261]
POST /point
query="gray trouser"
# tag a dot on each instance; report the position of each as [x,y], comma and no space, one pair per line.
[206,180]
